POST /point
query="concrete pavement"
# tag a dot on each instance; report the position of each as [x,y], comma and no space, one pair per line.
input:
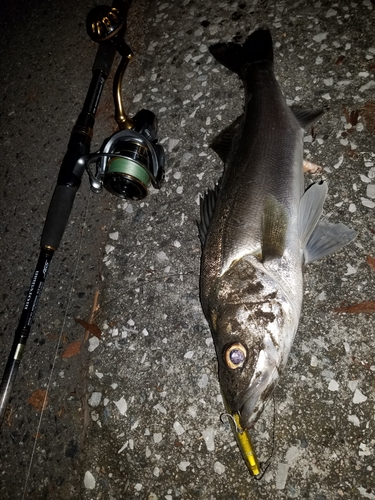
[136,413]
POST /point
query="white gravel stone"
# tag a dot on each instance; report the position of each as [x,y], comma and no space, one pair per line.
[162,256]
[122,405]
[354,420]
[203,381]
[137,97]
[320,37]
[93,343]
[89,480]
[219,468]
[333,386]
[314,361]
[108,249]
[172,144]
[178,428]
[156,472]
[183,466]
[367,203]
[95,399]
[359,397]
[158,436]
[208,436]
[160,408]
[281,475]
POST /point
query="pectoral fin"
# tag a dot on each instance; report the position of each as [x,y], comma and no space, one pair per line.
[274,226]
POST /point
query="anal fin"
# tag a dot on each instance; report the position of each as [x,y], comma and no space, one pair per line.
[319,238]
[307,117]
[327,238]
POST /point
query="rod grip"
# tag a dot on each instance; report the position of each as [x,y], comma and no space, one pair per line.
[58,215]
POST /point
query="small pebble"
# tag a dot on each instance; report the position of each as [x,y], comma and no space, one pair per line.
[95,399]
[89,480]
[208,436]
[178,428]
[333,386]
[93,343]
[359,397]
[219,468]
[281,476]
[158,436]
[203,381]
[183,466]
[122,405]
[320,37]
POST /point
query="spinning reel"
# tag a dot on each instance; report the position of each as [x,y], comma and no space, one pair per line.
[131,159]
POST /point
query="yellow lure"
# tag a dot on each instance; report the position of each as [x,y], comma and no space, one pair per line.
[246,447]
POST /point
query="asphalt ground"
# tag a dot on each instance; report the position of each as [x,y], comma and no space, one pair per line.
[135,414]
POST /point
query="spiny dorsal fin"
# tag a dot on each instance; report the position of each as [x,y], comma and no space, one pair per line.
[222,143]
[207,207]
[274,226]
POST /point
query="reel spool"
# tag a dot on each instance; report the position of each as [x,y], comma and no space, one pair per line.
[129,161]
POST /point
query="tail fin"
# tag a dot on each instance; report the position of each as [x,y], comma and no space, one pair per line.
[257,48]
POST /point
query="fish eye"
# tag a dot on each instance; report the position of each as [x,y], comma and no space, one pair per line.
[235,356]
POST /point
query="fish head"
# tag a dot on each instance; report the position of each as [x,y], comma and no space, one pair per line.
[253,327]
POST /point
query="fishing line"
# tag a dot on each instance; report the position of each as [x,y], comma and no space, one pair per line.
[58,343]
[267,463]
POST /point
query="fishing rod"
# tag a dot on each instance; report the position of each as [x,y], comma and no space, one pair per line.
[126,164]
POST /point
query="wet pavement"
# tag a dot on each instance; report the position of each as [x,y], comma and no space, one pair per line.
[135,414]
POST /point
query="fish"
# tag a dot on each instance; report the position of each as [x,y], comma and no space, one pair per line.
[259,227]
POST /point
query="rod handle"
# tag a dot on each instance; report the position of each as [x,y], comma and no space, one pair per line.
[58,216]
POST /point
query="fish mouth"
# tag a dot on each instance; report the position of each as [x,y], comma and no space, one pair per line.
[256,397]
